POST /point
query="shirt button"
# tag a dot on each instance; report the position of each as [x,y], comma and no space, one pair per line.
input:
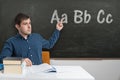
[31,55]
[29,48]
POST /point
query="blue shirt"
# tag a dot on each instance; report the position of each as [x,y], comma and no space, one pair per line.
[28,48]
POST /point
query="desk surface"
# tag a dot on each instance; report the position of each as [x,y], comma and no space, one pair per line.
[63,73]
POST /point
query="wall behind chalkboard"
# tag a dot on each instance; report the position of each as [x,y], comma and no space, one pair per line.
[91,27]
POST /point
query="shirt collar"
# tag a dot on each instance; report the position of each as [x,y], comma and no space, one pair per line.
[21,37]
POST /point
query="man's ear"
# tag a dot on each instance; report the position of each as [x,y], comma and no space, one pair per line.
[17,26]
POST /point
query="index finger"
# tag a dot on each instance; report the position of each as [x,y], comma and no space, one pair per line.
[62,20]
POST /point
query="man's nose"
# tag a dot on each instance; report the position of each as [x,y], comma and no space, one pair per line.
[29,25]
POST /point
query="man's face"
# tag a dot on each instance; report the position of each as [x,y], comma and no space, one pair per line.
[25,27]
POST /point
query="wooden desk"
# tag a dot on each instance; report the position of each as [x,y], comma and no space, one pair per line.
[63,73]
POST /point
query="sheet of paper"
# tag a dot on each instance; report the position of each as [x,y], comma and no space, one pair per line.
[42,68]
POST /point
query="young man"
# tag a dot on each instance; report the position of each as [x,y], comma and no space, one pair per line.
[26,44]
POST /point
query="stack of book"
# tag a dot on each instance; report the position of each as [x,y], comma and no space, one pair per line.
[13,65]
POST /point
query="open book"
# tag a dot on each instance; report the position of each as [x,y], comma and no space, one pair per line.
[42,68]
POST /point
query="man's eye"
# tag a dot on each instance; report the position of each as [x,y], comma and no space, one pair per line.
[24,23]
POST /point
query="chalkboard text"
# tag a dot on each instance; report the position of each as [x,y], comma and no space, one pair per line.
[84,17]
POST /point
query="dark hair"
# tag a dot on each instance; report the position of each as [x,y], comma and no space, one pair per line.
[19,17]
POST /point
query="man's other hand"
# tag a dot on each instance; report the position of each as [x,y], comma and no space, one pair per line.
[28,62]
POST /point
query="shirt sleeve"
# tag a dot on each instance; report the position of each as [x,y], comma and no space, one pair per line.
[6,51]
[51,42]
